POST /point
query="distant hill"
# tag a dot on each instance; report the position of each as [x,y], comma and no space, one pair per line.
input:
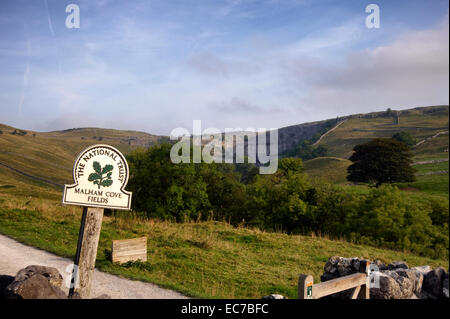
[49,156]
[422,123]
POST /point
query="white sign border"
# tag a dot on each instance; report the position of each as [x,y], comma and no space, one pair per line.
[75,179]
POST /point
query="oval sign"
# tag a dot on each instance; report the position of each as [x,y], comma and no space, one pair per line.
[100,175]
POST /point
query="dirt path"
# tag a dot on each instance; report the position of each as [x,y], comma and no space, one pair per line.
[327,132]
[15,256]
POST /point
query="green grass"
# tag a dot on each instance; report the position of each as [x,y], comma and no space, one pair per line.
[51,155]
[432,167]
[427,157]
[420,123]
[331,169]
[205,259]
[431,184]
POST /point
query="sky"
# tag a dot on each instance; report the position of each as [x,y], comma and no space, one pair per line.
[155,65]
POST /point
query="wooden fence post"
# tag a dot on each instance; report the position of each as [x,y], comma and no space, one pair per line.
[86,254]
[305,285]
[365,290]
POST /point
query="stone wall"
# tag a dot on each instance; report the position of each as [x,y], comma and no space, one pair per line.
[393,281]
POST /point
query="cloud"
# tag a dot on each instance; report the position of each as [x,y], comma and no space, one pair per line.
[213,65]
[155,66]
[26,74]
[49,19]
[238,105]
[411,71]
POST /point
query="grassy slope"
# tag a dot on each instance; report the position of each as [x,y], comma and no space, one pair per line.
[206,259]
[355,131]
[51,155]
[421,125]
[332,169]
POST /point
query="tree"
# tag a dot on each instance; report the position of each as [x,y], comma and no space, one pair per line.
[306,151]
[166,190]
[404,137]
[382,160]
[291,164]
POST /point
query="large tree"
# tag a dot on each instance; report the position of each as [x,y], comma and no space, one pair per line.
[382,160]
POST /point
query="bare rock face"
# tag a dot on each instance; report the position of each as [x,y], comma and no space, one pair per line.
[423,269]
[36,282]
[400,283]
[397,265]
[392,281]
[338,266]
[52,274]
[388,288]
[34,287]
[445,287]
[433,283]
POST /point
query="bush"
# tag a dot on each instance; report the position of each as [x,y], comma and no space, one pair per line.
[405,137]
[287,201]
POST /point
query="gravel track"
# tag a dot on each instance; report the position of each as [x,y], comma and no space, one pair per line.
[15,256]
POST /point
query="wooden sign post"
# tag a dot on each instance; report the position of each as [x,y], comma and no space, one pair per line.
[100,175]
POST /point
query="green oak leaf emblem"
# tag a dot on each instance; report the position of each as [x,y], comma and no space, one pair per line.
[99,178]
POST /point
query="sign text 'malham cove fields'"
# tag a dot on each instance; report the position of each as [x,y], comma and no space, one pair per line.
[100,175]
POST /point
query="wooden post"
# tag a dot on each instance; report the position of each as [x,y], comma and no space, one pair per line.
[91,224]
[305,285]
[365,289]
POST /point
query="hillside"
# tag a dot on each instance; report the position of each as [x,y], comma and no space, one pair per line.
[186,256]
[422,123]
[428,125]
[332,169]
[49,156]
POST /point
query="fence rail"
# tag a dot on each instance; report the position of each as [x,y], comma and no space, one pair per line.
[359,282]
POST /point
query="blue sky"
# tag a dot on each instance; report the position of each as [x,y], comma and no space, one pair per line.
[156,65]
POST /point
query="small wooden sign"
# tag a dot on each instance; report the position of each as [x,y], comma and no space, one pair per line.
[129,250]
[100,175]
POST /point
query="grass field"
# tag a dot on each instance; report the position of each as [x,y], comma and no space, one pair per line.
[432,167]
[205,259]
[431,184]
[51,155]
[331,169]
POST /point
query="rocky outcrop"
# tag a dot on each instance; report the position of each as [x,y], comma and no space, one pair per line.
[434,283]
[35,287]
[398,284]
[35,282]
[51,274]
[392,281]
